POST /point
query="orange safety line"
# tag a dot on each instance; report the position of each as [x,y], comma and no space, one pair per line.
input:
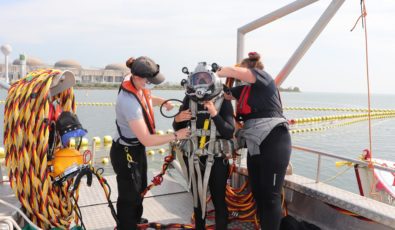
[363,17]
[364,14]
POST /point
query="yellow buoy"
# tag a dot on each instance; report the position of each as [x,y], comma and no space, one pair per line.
[161,151]
[107,140]
[104,160]
[150,152]
[2,152]
[84,142]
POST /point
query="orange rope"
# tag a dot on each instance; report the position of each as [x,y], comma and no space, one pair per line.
[364,25]
[240,202]
[364,13]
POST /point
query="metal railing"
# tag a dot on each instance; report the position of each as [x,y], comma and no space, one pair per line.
[335,156]
[313,34]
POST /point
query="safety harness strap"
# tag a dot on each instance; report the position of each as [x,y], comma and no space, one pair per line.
[199,182]
[191,158]
[131,141]
[210,158]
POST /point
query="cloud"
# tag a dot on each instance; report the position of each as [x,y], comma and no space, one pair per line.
[180,33]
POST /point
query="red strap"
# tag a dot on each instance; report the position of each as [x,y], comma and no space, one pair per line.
[243,107]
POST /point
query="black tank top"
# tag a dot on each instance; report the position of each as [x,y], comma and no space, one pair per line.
[264,98]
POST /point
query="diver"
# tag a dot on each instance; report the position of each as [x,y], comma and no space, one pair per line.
[210,118]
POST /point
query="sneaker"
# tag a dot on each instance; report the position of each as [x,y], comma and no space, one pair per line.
[143,220]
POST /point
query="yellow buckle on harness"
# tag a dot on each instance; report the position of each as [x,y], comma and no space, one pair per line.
[129,158]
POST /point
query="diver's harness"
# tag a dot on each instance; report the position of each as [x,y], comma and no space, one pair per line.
[192,149]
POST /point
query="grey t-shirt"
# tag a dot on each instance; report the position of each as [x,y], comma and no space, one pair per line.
[126,110]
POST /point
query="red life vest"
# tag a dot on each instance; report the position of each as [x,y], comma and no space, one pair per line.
[242,104]
[145,103]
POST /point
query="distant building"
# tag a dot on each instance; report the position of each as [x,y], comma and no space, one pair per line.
[112,73]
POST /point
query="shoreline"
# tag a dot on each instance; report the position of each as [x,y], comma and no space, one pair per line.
[116,86]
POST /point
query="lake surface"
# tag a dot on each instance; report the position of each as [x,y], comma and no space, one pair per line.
[348,140]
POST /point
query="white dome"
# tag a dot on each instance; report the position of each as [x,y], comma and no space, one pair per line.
[67,64]
[30,61]
[116,66]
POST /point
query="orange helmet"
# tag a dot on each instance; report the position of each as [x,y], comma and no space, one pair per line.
[66,163]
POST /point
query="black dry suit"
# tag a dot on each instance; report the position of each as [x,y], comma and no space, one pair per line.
[219,172]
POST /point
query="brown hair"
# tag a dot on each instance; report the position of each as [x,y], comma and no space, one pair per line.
[253,61]
[129,62]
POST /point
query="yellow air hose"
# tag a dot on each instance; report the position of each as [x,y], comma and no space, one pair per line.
[26,134]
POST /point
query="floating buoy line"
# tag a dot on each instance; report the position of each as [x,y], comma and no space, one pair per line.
[285,108]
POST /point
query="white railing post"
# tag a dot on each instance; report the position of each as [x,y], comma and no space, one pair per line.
[309,40]
[283,11]
[317,176]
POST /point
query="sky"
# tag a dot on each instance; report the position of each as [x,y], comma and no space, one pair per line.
[178,33]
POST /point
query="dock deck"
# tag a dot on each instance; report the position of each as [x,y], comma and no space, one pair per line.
[167,203]
[172,203]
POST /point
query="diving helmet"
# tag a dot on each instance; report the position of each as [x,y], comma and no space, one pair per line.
[203,84]
[67,163]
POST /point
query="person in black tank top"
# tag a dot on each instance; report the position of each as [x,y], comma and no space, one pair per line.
[259,103]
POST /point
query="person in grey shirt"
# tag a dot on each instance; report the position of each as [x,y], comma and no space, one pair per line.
[135,126]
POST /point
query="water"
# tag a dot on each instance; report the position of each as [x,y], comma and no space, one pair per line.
[347,140]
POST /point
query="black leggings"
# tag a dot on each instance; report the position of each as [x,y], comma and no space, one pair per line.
[266,175]
[217,184]
[129,203]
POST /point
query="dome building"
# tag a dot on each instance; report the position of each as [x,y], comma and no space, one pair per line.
[112,73]
[67,64]
[30,61]
[117,66]
[115,72]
